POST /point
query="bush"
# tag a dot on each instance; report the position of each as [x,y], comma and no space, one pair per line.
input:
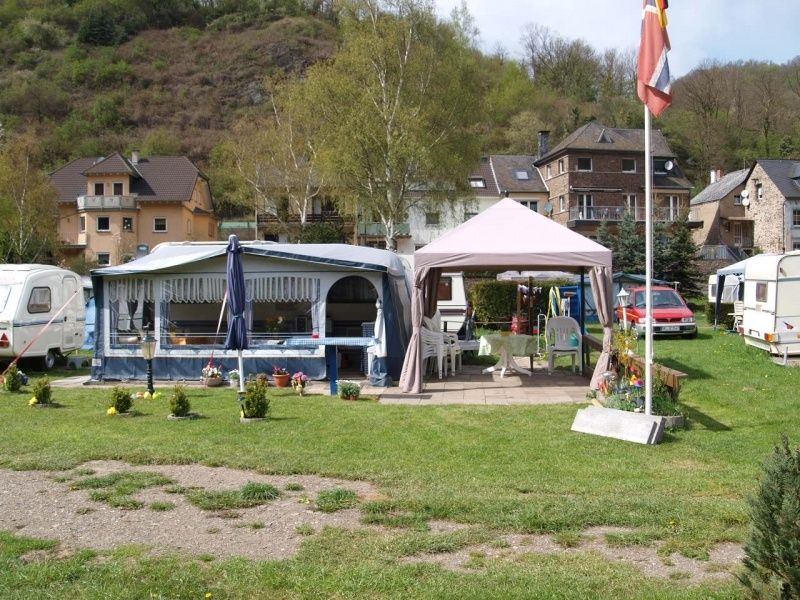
[772,553]
[121,399]
[494,300]
[42,391]
[256,401]
[725,316]
[336,499]
[13,380]
[349,390]
[179,402]
[259,492]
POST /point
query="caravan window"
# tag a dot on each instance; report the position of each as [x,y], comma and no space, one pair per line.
[445,291]
[39,301]
[761,292]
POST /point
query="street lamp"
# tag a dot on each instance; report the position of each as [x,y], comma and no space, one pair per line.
[148,352]
[623,302]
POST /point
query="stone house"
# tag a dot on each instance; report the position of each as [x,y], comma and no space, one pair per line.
[772,195]
[597,173]
[113,209]
[725,234]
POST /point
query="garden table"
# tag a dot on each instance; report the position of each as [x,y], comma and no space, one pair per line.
[331,346]
[507,347]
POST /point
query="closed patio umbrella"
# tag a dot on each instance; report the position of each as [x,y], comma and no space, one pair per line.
[236,339]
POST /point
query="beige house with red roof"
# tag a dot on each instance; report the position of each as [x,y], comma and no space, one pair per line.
[113,209]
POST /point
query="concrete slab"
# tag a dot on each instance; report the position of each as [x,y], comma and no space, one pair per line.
[619,424]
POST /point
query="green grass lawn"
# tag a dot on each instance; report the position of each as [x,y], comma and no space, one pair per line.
[502,468]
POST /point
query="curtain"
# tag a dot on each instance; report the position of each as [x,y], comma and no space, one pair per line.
[423,304]
[600,278]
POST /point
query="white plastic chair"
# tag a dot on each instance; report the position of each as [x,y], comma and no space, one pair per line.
[432,346]
[561,334]
[452,347]
[738,314]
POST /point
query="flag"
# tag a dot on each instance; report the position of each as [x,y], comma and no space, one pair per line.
[653,84]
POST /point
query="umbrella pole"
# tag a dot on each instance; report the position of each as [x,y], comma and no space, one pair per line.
[241,372]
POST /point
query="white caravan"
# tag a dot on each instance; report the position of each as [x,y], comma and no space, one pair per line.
[31,296]
[771,318]
[730,291]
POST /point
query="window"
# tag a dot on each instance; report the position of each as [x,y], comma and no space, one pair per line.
[761,292]
[737,200]
[532,204]
[560,166]
[523,175]
[445,291]
[98,189]
[39,301]
[82,222]
[738,234]
[584,164]
[585,206]
[562,203]
[188,227]
[103,224]
[160,224]
[759,191]
[117,189]
[673,208]
[431,218]
[127,223]
[210,229]
[628,165]
[477,182]
[660,166]
[795,245]
[549,172]
[103,259]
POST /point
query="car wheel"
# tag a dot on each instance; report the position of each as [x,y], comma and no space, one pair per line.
[690,336]
[49,360]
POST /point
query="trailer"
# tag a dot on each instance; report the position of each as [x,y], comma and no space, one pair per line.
[42,313]
[771,318]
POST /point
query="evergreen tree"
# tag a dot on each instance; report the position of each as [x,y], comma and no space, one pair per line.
[629,247]
[604,237]
[681,258]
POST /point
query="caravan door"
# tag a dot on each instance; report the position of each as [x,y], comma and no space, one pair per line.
[73,330]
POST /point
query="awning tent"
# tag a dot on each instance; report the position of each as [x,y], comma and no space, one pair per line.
[736,269]
[507,236]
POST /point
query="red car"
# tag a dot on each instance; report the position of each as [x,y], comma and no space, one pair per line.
[671,316]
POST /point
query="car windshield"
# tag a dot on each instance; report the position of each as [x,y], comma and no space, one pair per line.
[661,299]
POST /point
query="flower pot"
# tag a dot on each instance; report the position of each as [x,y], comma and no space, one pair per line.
[234,383]
[281,381]
[212,381]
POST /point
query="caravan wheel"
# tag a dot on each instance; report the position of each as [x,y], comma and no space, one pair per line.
[49,360]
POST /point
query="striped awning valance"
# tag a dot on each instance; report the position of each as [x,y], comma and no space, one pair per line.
[130,289]
[288,288]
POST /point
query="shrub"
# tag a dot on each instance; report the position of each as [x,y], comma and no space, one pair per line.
[725,314]
[772,553]
[179,402]
[494,300]
[13,380]
[349,390]
[41,390]
[262,378]
[256,401]
[121,399]
[259,492]
[336,499]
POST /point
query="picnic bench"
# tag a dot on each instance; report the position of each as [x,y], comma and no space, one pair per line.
[672,378]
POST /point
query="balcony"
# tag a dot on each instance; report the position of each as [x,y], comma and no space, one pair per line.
[324,217]
[107,202]
[615,213]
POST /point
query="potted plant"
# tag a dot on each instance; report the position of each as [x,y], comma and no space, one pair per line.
[233,378]
[299,381]
[13,379]
[211,376]
[280,376]
[179,404]
[121,401]
[349,390]
[255,403]
[42,395]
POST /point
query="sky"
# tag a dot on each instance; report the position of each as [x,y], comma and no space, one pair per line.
[699,30]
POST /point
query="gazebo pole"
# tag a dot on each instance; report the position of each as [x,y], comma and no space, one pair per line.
[582,315]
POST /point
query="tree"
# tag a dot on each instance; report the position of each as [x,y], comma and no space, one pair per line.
[397,105]
[680,260]
[629,249]
[28,210]
[604,235]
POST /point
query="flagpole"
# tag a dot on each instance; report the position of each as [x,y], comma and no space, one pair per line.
[648,232]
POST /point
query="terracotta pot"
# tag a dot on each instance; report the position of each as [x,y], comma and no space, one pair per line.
[281,380]
[212,381]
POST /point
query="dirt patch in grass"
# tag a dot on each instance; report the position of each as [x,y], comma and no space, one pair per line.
[49,505]
[723,558]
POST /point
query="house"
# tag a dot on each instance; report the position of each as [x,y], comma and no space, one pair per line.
[306,291]
[597,173]
[497,176]
[726,232]
[113,209]
[772,197]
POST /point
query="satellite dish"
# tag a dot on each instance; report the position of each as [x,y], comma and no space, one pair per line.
[668,165]
[745,201]
[548,207]
[745,194]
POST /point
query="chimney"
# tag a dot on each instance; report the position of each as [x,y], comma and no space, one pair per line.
[135,158]
[712,176]
[544,143]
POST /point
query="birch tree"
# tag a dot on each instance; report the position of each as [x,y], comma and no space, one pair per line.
[398,106]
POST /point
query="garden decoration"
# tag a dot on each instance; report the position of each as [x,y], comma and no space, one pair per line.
[254,403]
[349,390]
[42,394]
[233,378]
[179,405]
[121,402]
[299,381]
[211,376]
[280,376]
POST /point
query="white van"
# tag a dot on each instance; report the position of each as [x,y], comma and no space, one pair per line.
[30,297]
[771,318]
